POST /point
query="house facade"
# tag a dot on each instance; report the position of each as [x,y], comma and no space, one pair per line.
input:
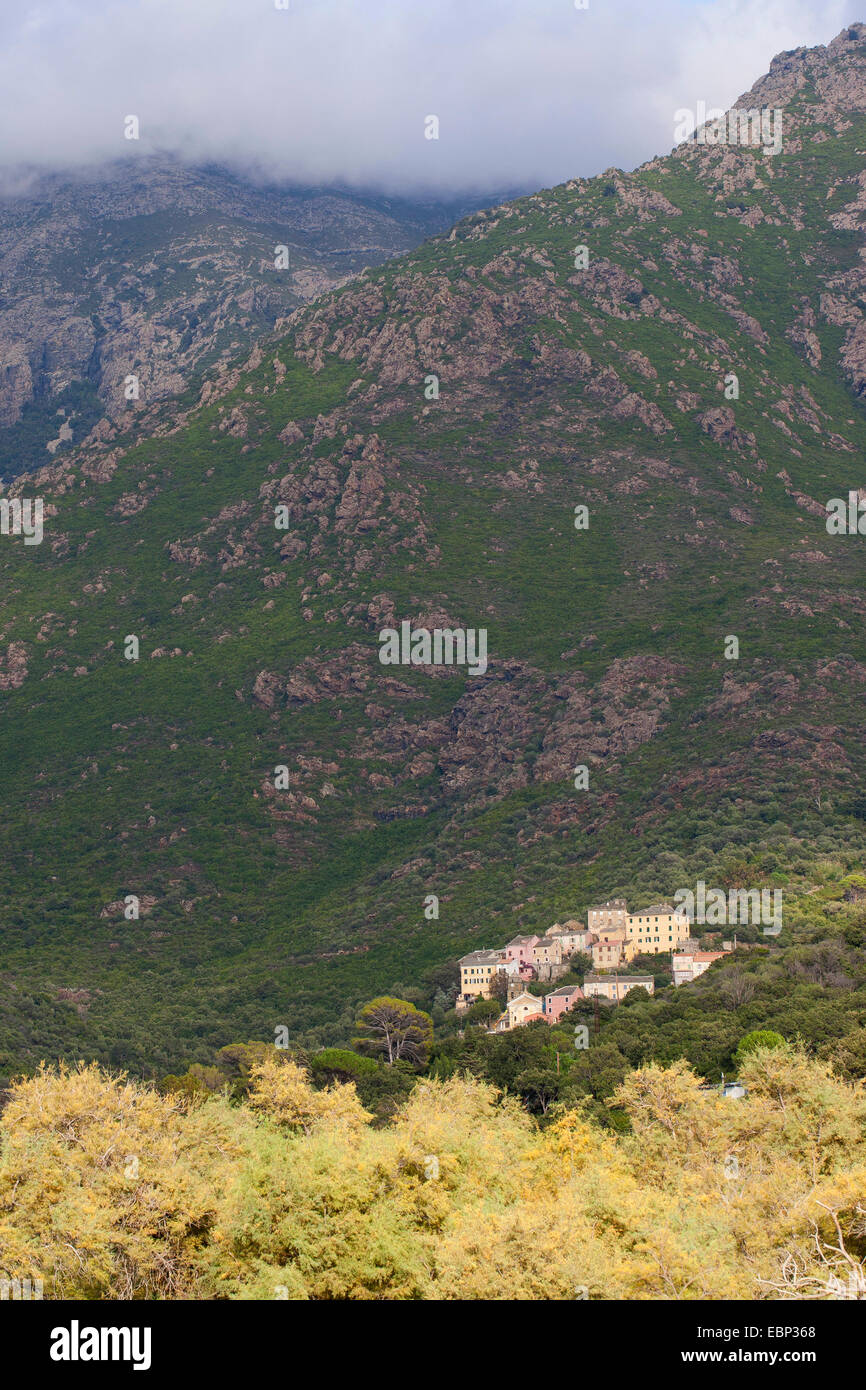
[513,970]
[547,951]
[547,958]
[572,936]
[688,967]
[520,948]
[611,916]
[560,1001]
[612,948]
[616,987]
[657,928]
[523,1009]
[476,971]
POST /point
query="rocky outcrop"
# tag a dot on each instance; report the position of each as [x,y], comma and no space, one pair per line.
[721,425]
[13,666]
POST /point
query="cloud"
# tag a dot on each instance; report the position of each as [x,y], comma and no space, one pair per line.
[528,92]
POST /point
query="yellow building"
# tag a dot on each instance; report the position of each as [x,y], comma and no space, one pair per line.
[522,1008]
[612,948]
[547,951]
[476,971]
[615,987]
[657,928]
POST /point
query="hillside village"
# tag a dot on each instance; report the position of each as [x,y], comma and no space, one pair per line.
[612,936]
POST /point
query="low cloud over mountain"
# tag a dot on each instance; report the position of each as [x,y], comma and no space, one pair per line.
[338,90]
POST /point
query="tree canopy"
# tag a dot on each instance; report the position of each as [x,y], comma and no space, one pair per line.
[395,1031]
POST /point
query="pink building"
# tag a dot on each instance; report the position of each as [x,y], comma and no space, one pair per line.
[560,1001]
[521,949]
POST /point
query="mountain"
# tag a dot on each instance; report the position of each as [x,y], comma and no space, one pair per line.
[272,898]
[148,268]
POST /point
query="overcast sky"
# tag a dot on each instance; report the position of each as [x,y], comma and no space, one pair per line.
[528,92]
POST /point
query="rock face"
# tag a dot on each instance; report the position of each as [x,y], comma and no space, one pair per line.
[16,380]
[145,268]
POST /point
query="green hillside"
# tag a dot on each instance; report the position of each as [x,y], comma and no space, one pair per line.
[558,387]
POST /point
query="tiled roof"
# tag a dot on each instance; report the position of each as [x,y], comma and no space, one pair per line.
[480,958]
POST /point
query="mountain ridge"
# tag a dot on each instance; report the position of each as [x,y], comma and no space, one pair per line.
[148,267]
